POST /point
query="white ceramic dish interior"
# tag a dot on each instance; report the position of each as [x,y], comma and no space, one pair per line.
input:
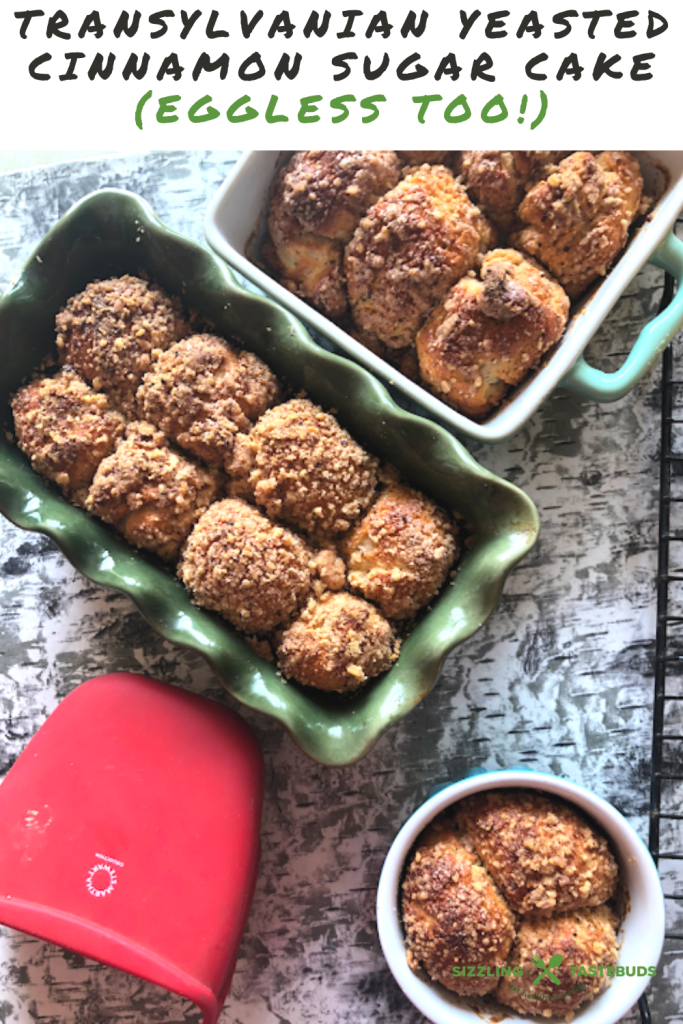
[235,227]
[641,935]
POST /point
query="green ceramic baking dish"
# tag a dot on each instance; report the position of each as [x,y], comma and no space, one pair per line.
[113,232]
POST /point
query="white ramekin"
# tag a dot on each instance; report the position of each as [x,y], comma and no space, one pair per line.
[642,931]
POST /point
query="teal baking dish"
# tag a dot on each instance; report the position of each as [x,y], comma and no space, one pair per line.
[112,232]
[235,228]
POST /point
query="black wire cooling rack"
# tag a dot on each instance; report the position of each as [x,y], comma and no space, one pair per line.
[666,830]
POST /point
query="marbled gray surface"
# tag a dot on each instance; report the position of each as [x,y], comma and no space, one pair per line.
[560,678]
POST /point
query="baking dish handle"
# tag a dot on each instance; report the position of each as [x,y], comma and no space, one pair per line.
[588,382]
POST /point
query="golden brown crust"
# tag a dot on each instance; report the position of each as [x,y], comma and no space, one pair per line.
[577,219]
[254,573]
[326,191]
[498,179]
[329,571]
[494,182]
[202,391]
[453,914]
[399,554]
[66,429]
[295,461]
[302,467]
[112,332]
[337,644]
[583,938]
[310,266]
[534,164]
[541,853]
[408,250]
[152,495]
[318,199]
[489,333]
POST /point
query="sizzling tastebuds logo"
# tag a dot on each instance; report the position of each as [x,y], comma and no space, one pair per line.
[547,972]
[553,971]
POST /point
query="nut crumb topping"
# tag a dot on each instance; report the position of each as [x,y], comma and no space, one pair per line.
[576,220]
[112,332]
[318,199]
[542,854]
[66,429]
[337,643]
[411,246]
[254,573]
[202,391]
[400,553]
[452,911]
[302,467]
[149,493]
[489,332]
[582,937]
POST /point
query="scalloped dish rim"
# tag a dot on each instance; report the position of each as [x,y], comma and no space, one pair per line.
[506,524]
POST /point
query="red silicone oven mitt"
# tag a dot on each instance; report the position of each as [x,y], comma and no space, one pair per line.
[129,832]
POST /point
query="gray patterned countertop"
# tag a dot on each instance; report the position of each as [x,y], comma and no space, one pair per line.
[560,678]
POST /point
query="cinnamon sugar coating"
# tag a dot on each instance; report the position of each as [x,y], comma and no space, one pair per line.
[318,199]
[409,248]
[202,391]
[399,554]
[337,644]
[326,191]
[498,179]
[254,573]
[541,853]
[329,571]
[576,221]
[293,460]
[112,332]
[66,429]
[152,495]
[489,332]
[572,211]
[453,914]
[585,938]
[303,468]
